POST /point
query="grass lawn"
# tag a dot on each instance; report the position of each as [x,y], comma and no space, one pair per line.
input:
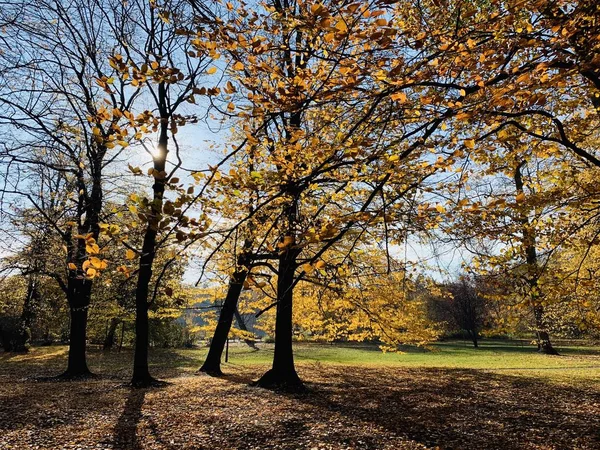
[451,396]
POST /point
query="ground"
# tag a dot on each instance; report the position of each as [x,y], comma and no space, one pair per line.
[502,396]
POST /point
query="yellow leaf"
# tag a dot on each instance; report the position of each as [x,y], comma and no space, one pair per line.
[129,254]
[238,66]
[341,26]
[440,209]
[72,266]
[91,272]
[92,249]
[308,268]
[399,97]
[520,198]
[96,262]
[469,143]
[211,70]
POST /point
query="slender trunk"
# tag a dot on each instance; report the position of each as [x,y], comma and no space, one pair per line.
[212,364]
[26,319]
[242,326]
[474,338]
[529,241]
[543,338]
[283,374]
[122,336]
[109,340]
[141,374]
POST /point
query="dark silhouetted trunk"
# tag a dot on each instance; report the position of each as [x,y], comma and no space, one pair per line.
[141,374]
[79,290]
[212,364]
[543,338]
[474,337]
[22,332]
[109,340]
[242,326]
[283,373]
[6,335]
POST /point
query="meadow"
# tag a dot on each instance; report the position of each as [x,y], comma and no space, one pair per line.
[447,396]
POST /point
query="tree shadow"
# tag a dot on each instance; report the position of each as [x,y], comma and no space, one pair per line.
[453,408]
[125,434]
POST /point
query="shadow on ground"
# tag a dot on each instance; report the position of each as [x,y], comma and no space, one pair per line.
[454,408]
[347,407]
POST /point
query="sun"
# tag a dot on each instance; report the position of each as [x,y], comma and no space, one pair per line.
[152,149]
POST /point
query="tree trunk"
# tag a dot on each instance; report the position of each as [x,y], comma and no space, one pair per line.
[529,241]
[5,338]
[283,373]
[543,338]
[242,326]
[474,338]
[141,374]
[212,364]
[79,300]
[122,336]
[79,288]
[109,340]
[27,316]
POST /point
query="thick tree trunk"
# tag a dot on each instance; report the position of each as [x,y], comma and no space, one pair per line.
[79,300]
[77,365]
[212,364]
[6,338]
[109,340]
[283,374]
[79,288]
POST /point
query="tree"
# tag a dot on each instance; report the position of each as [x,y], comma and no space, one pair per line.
[467,308]
[62,118]
[308,148]
[169,76]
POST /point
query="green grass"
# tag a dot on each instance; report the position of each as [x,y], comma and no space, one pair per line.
[576,363]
